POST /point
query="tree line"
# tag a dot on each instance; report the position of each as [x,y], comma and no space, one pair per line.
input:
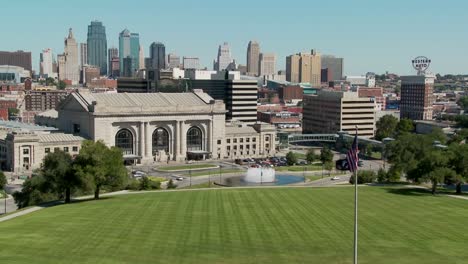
[94,168]
[430,158]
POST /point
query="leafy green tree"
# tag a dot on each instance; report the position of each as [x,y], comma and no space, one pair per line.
[50,81]
[460,135]
[405,126]
[145,183]
[101,166]
[3,180]
[12,113]
[291,158]
[310,156]
[61,85]
[326,155]
[57,170]
[33,192]
[463,102]
[459,163]
[386,127]
[328,166]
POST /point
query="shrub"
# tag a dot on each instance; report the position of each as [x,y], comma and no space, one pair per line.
[171,185]
[364,176]
[145,183]
[133,185]
[291,158]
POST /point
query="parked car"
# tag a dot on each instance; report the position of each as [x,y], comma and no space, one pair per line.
[335,178]
[302,162]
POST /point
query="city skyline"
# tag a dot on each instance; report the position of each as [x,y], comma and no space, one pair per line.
[344,32]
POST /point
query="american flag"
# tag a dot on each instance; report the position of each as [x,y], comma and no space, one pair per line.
[352,155]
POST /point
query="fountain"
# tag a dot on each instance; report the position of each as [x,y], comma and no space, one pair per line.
[260,175]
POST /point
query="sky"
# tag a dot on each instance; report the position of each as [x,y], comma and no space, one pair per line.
[376,36]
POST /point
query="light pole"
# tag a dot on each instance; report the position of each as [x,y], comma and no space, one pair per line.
[209,178]
[190,174]
[220,172]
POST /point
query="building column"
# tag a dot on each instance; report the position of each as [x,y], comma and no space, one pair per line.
[141,151]
[149,140]
[183,141]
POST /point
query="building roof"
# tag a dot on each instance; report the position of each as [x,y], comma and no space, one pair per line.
[145,103]
[236,130]
[58,137]
[19,126]
[52,113]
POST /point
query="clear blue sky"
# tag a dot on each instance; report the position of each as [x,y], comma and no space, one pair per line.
[371,35]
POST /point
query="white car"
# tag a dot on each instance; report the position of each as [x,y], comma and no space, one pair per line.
[335,178]
[179,178]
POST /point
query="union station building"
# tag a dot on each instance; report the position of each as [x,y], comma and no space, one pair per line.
[156,127]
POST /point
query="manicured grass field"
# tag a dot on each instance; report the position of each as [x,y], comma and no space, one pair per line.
[276,225]
[313,167]
[186,167]
[212,172]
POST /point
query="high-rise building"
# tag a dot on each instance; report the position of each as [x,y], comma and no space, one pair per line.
[292,68]
[267,64]
[46,66]
[224,57]
[253,58]
[112,54]
[417,97]
[68,62]
[329,112]
[304,68]
[129,46]
[17,58]
[141,58]
[191,63]
[128,70]
[97,46]
[240,96]
[83,54]
[90,72]
[334,65]
[173,60]
[158,56]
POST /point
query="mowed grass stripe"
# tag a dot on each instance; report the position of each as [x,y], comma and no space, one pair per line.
[284,225]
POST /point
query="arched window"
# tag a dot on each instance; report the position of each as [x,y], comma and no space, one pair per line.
[194,139]
[160,140]
[124,141]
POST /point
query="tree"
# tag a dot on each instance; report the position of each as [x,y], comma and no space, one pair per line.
[386,127]
[328,166]
[3,180]
[291,158]
[101,166]
[326,155]
[171,184]
[405,126]
[33,192]
[460,135]
[459,163]
[50,81]
[12,113]
[61,85]
[310,156]
[463,102]
[57,170]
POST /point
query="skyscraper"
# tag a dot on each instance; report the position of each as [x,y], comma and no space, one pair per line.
[69,68]
[334,66]
[83,54]
[141,58]
[173,60]
[17,58]
[97,46]
[129,46]
[46,68]
[253,58]
[191,63]
[113,53]
[158,56]
[417,97]
[304,68]
[267,64]
[224,57]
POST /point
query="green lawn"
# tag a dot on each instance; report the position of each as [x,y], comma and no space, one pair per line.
[276,225]
[186,167]
[313,167]
[212,172]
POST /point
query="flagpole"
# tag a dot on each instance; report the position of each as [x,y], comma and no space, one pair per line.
[356,207]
